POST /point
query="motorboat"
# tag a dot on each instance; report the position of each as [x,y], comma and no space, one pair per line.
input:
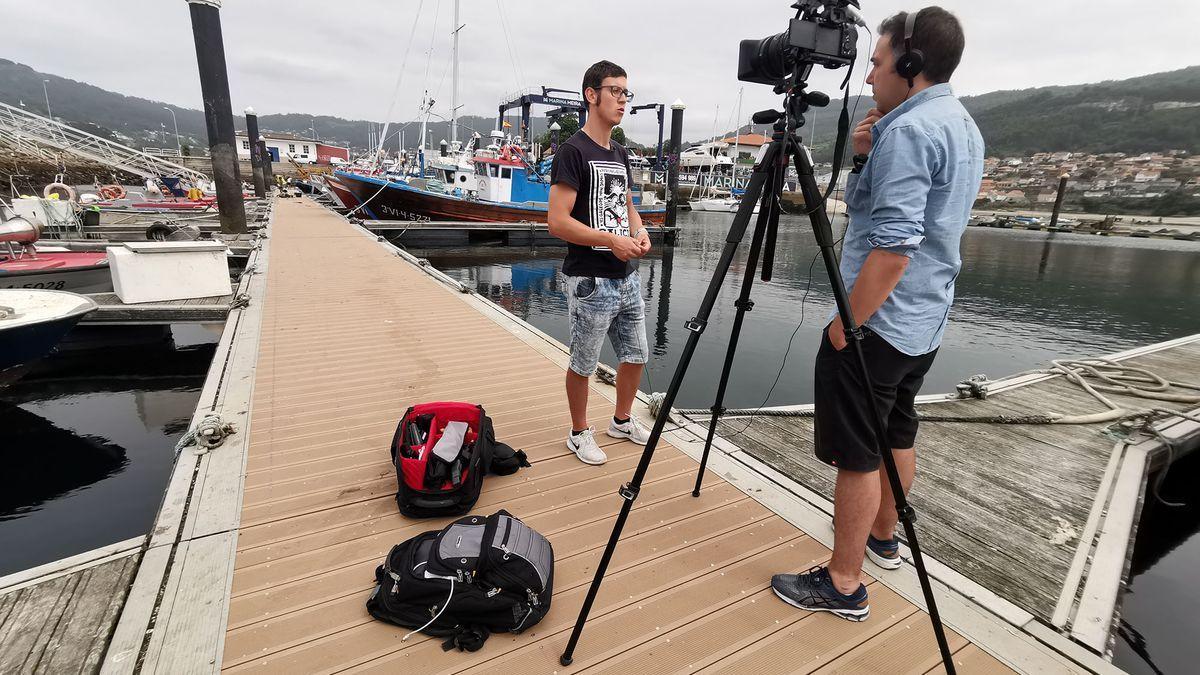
[32,322]
[713,156]
[23,264]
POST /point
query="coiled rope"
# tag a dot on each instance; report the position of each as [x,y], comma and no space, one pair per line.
[209,433]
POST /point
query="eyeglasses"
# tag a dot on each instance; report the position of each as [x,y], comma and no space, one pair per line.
[616,91]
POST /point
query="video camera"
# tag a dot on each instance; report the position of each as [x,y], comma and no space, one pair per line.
[822,33]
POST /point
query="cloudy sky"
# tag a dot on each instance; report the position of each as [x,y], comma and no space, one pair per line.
[343,58]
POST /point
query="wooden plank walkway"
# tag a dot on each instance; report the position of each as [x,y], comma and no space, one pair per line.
[112,311]
[58,618]
[350,337]
[1014,508]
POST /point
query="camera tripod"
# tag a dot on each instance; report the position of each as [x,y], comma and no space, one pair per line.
[766,183]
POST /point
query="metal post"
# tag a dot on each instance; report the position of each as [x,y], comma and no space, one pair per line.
[1062,191]
[256,158]
[673,162]
[268,168]
[175,122]
[47,93]
[524,135]
[658,149]
[218,113]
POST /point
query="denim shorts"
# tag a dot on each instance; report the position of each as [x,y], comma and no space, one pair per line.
[599,306]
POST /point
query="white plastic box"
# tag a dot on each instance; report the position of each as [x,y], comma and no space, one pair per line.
[44,212]
[154,271]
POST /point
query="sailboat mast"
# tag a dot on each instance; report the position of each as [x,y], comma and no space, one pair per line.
[737,137]
[424,122]
[454,82]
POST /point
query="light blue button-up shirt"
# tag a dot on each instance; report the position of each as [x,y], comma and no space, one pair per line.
[914,197]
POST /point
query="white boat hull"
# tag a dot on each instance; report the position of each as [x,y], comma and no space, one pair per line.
[726,205]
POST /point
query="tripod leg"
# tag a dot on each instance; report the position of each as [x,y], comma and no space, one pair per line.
[824,234]
[766,213]
[696,326]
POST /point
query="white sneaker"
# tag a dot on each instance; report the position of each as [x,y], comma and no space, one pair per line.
[585,448]
[631,430]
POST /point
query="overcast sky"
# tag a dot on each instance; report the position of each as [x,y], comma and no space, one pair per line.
[342,58]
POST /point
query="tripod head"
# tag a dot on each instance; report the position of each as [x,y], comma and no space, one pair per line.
[796,102]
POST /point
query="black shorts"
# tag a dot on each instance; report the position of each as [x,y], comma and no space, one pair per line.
[845,428]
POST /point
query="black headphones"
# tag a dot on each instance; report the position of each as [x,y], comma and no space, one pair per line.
[912,61]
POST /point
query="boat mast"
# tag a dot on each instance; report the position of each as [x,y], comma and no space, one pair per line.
[427,105]
[454,82]
[737,136]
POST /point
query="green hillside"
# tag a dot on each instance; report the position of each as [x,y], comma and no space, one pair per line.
[1142,114]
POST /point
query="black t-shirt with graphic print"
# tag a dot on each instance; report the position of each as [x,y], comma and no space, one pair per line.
[602,180]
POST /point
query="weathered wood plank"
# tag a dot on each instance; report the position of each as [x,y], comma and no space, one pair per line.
[31,622]
[78,643]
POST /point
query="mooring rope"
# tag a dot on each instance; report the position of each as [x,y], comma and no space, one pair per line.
[1094,376]
[1110,377]
[208,434]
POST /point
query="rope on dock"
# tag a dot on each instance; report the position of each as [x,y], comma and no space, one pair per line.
[240,302]
[1111,377]
[208,434]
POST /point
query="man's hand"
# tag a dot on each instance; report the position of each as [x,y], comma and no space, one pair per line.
[861,138]
[837,334]
[625,248]
[643,239]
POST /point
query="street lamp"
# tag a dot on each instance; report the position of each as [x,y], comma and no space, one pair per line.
[47,93]
[178,147]
[554,127]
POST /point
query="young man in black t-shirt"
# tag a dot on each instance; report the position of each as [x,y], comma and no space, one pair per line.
[591,207]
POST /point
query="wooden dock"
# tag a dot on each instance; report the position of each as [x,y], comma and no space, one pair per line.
[1040,515]
[429,234]
[112,311]
[263,552]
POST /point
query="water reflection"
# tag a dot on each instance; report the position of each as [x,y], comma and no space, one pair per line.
[1155,634]
[1024,298]
[88,435]
[63,461]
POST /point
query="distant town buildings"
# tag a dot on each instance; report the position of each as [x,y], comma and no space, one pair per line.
[1020,181]
[302,150]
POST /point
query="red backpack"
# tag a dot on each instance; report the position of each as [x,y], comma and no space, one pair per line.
[441,452]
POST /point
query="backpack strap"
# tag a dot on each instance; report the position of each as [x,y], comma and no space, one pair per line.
[506,461]
[468,638]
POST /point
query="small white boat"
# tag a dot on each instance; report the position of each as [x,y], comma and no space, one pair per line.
[32,322]
[719,204]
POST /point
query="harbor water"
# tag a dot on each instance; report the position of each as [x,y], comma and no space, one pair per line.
[1023,299]
[88,437]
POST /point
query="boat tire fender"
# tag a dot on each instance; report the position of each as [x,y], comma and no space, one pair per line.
[64,191]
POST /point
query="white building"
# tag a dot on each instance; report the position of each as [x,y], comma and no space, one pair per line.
[303,150]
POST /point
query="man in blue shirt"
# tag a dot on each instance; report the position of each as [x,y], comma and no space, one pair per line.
[917,168]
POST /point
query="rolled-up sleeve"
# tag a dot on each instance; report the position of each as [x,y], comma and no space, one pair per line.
[902,163]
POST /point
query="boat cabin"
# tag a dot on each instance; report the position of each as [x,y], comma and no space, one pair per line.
[508,179]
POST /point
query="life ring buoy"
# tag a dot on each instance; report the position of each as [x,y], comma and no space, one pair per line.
[112,192]
[59,191]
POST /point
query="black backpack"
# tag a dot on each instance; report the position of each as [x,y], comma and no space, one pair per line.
[430,486]
[478,576]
